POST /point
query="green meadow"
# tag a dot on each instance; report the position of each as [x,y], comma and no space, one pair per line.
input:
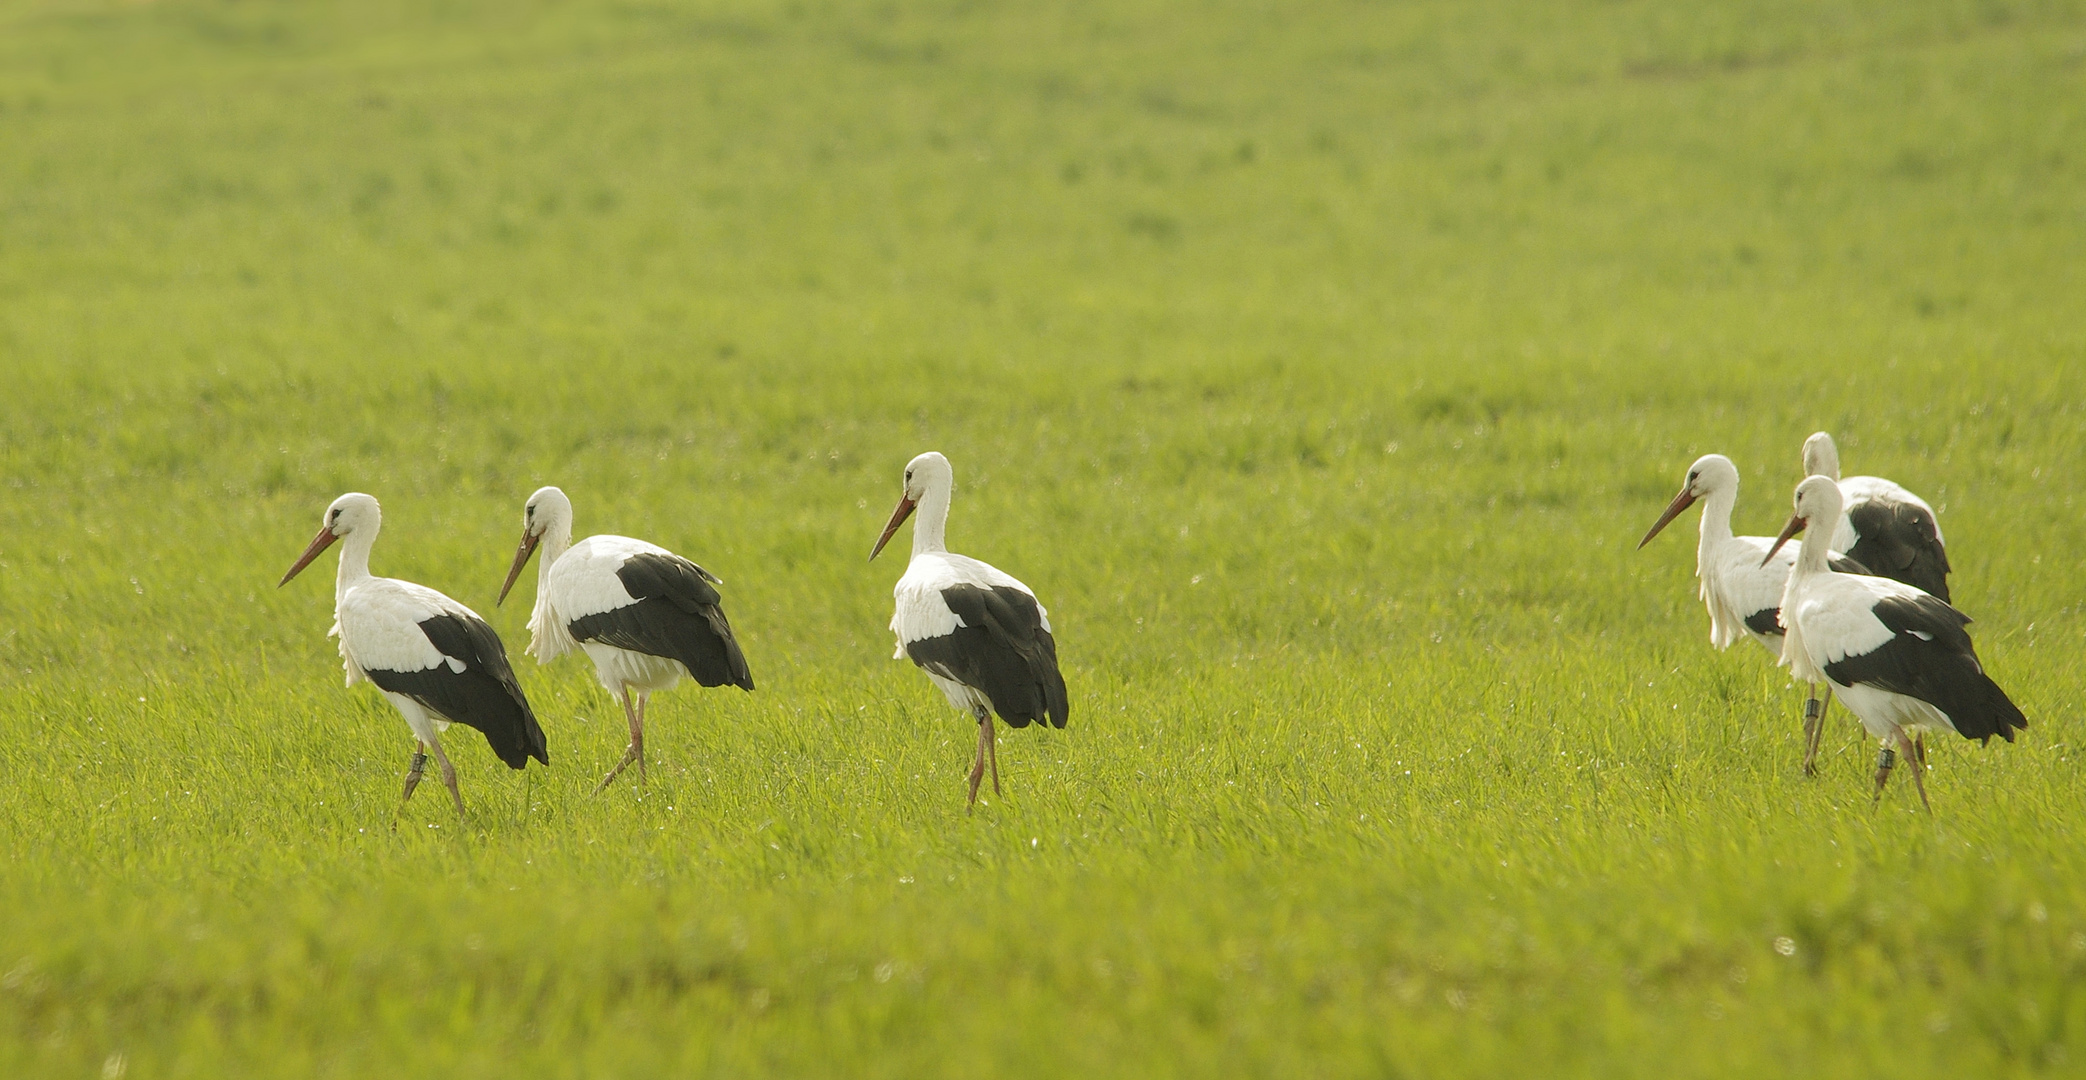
[1318,365]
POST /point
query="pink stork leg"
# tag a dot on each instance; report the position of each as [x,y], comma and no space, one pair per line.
[1814,728]
[986,751]
[448,775]
[636,751]
[992,754]
[1917,758]
[637,737]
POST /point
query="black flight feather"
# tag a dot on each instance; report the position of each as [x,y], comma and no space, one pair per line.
[1929,657]
[1001,650]
[678,615]
[484,695]
[1899,540]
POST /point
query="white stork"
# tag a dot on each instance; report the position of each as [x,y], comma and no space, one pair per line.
[646,616]
[1883,526]
[1897,656]
[979,634]
[1743,592]
[433,657]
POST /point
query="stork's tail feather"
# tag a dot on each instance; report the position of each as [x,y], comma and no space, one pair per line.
[1056,704]
[539,745]
[1989,712]
[1055,699]
[720,661]
[518,739]
[742,676]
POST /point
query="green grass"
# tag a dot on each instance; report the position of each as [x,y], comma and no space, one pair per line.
[1319,368]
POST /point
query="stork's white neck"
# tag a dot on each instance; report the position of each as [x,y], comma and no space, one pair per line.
[1821,457]
[1820,504]
[557,540]
[354,561]
[1716,523]
[1817,546]
[931,520]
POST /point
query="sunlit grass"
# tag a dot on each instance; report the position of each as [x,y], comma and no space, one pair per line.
[1319,369]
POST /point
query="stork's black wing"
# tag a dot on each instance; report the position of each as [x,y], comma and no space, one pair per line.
[1845,565]
[1929,657]
[678,615]
[1898,540]
[1002,649]
[484,695]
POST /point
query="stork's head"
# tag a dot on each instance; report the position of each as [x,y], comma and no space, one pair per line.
[1817,499]
[546,510]
[1821,457]
[928,472]
[350,513]
[1709,474]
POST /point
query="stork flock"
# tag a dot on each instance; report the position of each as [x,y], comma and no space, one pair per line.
[1861,607]
[648,618]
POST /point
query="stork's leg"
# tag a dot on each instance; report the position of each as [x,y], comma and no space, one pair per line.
[1885,759]
[992,754]
[637,734]
[414,771]
[1919,743]
[1814,729]
[636,751]
[1917,756]
[978,766]
[448,775]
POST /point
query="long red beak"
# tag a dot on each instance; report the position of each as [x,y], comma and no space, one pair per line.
[1680,502]
[319,543]
[1796,525]
[521,559]
[898,516]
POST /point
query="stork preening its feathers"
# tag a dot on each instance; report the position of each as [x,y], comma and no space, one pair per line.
[979,634]
[646,616]
[1896,655]
[434,658]
[1741,589]
[1882,526]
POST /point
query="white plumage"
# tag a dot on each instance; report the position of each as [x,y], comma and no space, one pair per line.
[1833,617]
[431,657]
[583,582]
[1741,579]
[1889,530]
[1737,580]
[980,635]
[645,616]
[1897,656]
[576,582]
[921,611]
[378,623]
